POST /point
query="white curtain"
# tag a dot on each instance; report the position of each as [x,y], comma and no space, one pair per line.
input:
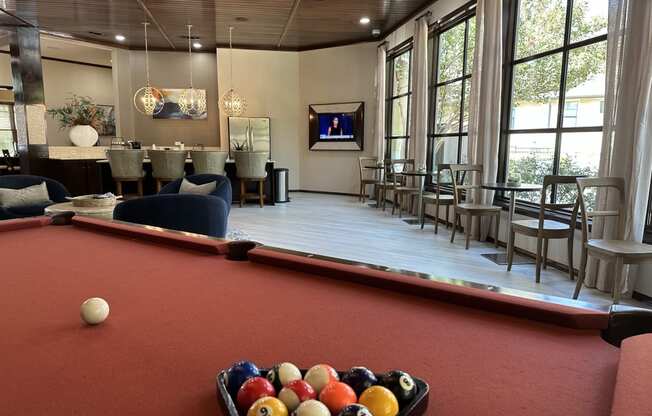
[380,102]
[484,102]
[627,136]
[419,110]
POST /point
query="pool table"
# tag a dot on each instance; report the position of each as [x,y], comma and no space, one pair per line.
[181,311]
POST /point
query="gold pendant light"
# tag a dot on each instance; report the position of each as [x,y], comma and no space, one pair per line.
[233,104]
[192,101]
[148,100]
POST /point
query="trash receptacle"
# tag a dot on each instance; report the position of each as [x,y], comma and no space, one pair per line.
[281,180]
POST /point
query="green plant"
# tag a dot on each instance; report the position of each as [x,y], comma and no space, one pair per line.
[239,146]
[78,111]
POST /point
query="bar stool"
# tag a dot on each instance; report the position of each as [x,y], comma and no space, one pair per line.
[250,167]
[126,166]
[167,165]
[209,162]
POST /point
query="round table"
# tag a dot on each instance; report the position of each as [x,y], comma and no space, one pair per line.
[105,213]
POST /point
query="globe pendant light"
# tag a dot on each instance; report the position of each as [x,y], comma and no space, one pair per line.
[148,100]
[233,104]
[192,101]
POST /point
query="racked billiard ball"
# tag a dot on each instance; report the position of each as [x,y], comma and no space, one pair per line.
[312,408]
[281,374]
[360,379]
[240,372]
[355,410]
[320,375]
[295,393]
[336,396]
[268,406]
[252,390]
[400,383]
[380,401]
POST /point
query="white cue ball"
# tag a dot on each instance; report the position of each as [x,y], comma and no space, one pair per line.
[94,311]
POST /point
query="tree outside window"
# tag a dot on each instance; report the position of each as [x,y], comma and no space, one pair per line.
[398,104]
[7,131]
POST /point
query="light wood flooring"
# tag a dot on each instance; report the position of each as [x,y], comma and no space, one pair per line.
[340,226]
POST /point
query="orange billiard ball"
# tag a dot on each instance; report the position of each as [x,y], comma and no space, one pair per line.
[336,396]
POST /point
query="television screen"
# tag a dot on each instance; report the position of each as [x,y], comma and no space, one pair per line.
[336,126]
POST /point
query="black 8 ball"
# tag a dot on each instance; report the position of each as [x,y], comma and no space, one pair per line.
[400,383]
[360,379]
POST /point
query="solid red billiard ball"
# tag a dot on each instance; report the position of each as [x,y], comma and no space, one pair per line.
[295,393]
[320,375]
[252,390]
[336,396]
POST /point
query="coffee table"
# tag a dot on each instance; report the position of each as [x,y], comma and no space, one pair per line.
[105,213]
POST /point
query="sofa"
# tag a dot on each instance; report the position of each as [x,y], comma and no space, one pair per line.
[56,191]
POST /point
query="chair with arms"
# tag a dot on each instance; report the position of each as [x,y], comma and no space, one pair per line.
[617,251]
[438,199]
[544,229]
[56,192]
[405,187]
[365,180]
[470,209]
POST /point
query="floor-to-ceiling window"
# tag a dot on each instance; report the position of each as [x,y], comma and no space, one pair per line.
[452,46]
[554,97]
[399,92]
[7,131]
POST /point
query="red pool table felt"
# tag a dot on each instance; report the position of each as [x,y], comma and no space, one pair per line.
[180,313]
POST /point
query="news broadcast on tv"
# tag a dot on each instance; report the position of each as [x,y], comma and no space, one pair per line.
[333,126]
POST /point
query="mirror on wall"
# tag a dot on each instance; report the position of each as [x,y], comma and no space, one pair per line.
[250,133]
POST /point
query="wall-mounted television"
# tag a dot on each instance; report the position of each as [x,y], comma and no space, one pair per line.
[338,126]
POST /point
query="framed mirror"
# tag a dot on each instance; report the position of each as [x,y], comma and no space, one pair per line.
[250,133]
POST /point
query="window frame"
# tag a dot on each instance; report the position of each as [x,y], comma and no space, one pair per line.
[405,47]
[511,9]
[12,129]
[460,16]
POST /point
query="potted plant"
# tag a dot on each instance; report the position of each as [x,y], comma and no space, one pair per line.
[82,117]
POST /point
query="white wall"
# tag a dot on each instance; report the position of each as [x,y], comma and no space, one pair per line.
[269,81]
[5,69]
[334,75]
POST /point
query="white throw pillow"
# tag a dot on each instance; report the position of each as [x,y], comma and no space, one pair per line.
[31,195]
[188,187]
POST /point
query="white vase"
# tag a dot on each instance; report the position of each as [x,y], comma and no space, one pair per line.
[83,136]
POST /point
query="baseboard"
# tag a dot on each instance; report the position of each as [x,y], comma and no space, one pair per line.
[323,192]
[642,297]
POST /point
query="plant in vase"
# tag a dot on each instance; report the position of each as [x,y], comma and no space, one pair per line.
[82,117]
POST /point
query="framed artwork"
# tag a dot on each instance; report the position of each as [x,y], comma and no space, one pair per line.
[107,128]
[171,110]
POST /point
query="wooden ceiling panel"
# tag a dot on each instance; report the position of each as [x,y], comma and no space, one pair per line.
[258,23]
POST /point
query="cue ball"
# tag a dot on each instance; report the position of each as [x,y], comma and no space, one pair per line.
[94,311]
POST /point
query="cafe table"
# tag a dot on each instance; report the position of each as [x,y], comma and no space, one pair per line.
[421,176]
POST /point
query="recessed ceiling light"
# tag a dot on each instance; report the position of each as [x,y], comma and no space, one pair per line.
[196,45]
[365,20]
[120,38]
[375,32]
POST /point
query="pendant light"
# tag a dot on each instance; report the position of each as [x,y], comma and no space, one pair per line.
[192,101]
[233,104]
[148,100]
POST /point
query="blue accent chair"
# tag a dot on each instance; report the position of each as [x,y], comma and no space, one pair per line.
[56,191]
[200,214]
[222,190]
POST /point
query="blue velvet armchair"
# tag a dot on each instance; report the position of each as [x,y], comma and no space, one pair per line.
[200,214]
[56,191]
[222,190]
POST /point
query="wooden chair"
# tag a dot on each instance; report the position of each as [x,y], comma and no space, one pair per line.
[544,229]
[404,187]
[438,199]
[126,166]
[365,180]
[167,166]
[458,173]
[618,251]
[251,167]
[387,183]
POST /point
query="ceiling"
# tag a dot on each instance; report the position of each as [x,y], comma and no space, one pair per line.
[70,50]
[264,24]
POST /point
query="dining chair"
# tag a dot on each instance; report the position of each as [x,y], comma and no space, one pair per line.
[365,180]
[209,162]
[470,209]
[405,187]
[126,166]
[387,183]
[251,167]
[544,229]
[437,198]
[618,250]
[167,165]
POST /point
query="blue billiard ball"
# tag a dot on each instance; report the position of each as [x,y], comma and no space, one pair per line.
[360,379]
[238,374]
